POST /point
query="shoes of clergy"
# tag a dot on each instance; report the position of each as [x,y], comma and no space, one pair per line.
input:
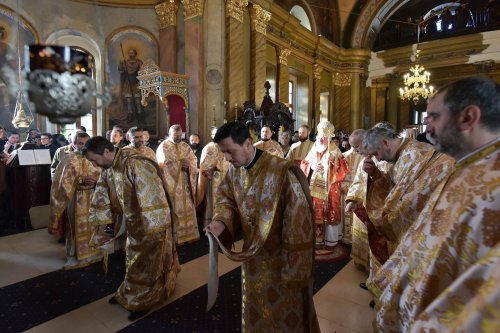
[372,303]
[113,300]
[362,285]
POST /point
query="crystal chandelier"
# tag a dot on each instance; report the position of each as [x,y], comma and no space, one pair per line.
[416,82]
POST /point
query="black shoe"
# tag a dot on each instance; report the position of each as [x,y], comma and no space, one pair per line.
[372,303]
[62,240]
[136,315]
[113,300]
[362,285]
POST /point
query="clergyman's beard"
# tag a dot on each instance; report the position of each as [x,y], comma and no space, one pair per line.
[264,139]
[450,141]
[195,146]
[303,140]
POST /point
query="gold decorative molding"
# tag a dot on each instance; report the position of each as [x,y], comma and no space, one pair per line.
[317,69]
[192,8]
[284,53]
[342,79]
[162,84]
[259,17]
[167,12]
[234,9]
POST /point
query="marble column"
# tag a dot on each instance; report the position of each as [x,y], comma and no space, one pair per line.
[283,76]
[194,62]
[167,13]
[259,19]
[235,85]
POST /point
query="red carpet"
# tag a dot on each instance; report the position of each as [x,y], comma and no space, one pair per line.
[339,252]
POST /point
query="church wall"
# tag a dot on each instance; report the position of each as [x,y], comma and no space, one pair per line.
[446,59]
[84,25]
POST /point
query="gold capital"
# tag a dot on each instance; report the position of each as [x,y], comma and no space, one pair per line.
[342,79]
[167,11]
[234,9]
[260,18]
[317,71]
[192,8]
[284,53]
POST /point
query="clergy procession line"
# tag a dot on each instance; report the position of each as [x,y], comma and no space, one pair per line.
[422,218]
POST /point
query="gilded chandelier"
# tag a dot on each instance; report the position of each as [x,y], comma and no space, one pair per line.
[416,83]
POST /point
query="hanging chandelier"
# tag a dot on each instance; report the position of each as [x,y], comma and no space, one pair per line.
[416,82]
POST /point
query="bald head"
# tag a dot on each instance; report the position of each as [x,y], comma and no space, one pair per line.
[356,139]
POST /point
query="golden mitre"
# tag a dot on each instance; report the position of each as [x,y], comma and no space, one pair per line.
[325,128]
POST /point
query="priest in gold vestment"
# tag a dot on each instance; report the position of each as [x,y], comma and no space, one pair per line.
[267,198]
[444,275]
[395,199]
[135,137]
[352,158]
[266,142]
[326,168]
[213,168]
[180,170]
[61,152]
[354,188]
[131,185]
[299,150]
[70,195]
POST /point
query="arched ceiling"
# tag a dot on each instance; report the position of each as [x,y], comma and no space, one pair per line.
[368,17]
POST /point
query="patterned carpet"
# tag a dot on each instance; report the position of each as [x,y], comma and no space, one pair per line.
[34,301]
[37,300]
[338,252]
[225,316]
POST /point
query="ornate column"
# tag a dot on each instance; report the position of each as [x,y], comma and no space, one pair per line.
[235,85]
[167,12]
[194,63]
[283,76]
[316,112]
[214,69]
[259,19]
[343,100]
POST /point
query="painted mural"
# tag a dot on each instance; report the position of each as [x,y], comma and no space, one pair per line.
[127,49]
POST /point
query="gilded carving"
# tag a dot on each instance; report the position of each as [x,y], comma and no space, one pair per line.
[342,79]
[259,17]
[284,53]
[153,81]
[317,69]
[234,9]
[167,12]
[192,8]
